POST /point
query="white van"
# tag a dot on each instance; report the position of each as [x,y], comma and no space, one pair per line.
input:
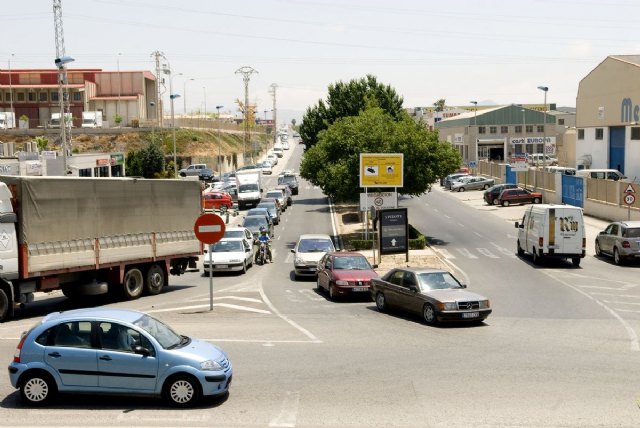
[560,170]
[606,174]
[552,231]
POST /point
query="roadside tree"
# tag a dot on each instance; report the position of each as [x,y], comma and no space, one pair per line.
[333,163]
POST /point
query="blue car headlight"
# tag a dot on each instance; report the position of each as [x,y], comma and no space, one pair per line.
[210,365]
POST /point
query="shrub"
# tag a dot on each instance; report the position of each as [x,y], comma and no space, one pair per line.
[417,241]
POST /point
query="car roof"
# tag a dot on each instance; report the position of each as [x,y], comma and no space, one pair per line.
[418,270]
[345,254]
[314,236]
[126,315]
[631,223]
[234,228]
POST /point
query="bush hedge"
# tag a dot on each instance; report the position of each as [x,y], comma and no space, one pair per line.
[417,241]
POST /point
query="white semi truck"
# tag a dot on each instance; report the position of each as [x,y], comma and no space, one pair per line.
[91,119]
[89,236]
[249,187]
[7,120]
[55,119]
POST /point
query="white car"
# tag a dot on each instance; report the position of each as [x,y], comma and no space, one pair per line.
[308,251]
[229,254]
[239,232]
[267,167]
[273,158]
[280,195]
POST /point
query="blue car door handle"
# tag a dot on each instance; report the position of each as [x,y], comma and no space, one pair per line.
[105,358]
[54,354]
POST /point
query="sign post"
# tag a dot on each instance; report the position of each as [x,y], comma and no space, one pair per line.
[629,199]
[394,231]
[209,229]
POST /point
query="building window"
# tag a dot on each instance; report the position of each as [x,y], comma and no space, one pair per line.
[482,130]
[540,128]
[7,97]
[635,133]
[560,121]
[518,129]
[20,96]
[55,96]
[529,129]
[504,129]
[599,133]
[580,134]
[44,97]
[31,97]
[77,96]
[493,130]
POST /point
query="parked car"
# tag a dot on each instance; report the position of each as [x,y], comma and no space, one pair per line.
[280,195]
[449,179]
[273,158]
[345,273]
[197,169]
[278,151]
[603,174]
[261,211]
[491,194]
[620,240]
[472,183]
[290,180]
[272,205]
[518,196]
[308,251]
[255,222]
[540,159]
[216,199]
[228,255]
[115,351]
[287,191]
[435,294]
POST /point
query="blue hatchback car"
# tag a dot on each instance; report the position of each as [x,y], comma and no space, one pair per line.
[115,351]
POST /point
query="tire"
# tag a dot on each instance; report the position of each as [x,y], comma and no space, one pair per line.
[598,250]
[244,268]
[520,250]
[318,286]
[485,187]
[576,261]
[535,257]
[536,200]
[429,314]
[37,388]
[381,302]
[182,391]
[132,284]
[496,201]
[332,293]
[461,189]
[5,306]
[155,280]
[505,203]
[616,257]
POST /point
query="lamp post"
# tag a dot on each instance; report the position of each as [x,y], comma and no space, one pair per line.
[11,90]
[172,97]
[204,92]
[544,128]
[153,125]
[119,86]
[184,95]
[219,142]
[475,123]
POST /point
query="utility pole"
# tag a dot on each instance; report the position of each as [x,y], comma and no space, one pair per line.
[61,61]
[246,76]
[275,114]
[159,104]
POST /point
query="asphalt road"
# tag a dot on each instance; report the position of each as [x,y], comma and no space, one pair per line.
[553,353]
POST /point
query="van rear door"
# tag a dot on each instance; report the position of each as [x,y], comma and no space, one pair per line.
[567,226]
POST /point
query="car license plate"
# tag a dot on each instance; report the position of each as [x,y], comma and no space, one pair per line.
[221,266]
[470,314]
[360,289]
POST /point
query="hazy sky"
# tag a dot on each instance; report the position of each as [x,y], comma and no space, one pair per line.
[491,51]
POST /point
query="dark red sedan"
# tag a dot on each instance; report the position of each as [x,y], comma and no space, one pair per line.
[215,200]
[345,273]
[519,196]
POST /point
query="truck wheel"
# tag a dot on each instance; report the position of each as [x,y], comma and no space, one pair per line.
[535,257]
[520,250]
[5,306]
[575,261]
[155,280]
[132,284]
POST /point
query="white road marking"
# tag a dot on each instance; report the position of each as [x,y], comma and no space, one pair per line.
[616,295]
[503,250]
[466,253]
[613,302]
[224,305]
[312,295]
[478,234]
[289,411]
[597,287]
[445,253]
[487,253]
[243,299]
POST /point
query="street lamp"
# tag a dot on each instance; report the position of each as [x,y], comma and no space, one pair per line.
[544,127]
[153,125]
[172,97]
[219,142]
[11,90]
[61,63]
[204,91]
[119,86]
[475,123]
[184,95]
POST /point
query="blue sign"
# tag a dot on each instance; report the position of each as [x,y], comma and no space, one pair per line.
[473,164]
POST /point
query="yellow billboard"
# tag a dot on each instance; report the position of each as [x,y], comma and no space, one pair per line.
[381,169]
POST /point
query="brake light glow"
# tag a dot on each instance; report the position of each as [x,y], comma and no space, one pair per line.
[626,244]
[540,241]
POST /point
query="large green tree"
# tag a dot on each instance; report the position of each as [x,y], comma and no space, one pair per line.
[333,163]
[348,99]
[148,162]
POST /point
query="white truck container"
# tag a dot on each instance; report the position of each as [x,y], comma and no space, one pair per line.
[7,120]
[55,119]
[91,119]
[249,187]
[88,236]
[552,231]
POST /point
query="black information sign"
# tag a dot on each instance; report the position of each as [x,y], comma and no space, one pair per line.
[394,231]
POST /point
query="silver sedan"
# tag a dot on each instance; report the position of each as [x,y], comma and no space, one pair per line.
[472,183]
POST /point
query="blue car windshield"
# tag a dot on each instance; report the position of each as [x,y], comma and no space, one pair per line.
[161,332]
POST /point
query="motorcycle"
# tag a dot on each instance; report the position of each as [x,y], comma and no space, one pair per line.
[263,253]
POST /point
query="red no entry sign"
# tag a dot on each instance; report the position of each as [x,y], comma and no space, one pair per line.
[209,228]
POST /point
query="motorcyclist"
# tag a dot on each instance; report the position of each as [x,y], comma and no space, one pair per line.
[264,237]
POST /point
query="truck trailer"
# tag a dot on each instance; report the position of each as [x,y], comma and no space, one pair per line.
[7,120]
[249,187]
[91,119]
[90,236]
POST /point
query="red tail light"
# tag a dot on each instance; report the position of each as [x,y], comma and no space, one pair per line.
[16,355]
[626,244]
[584,242]
[540,241]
